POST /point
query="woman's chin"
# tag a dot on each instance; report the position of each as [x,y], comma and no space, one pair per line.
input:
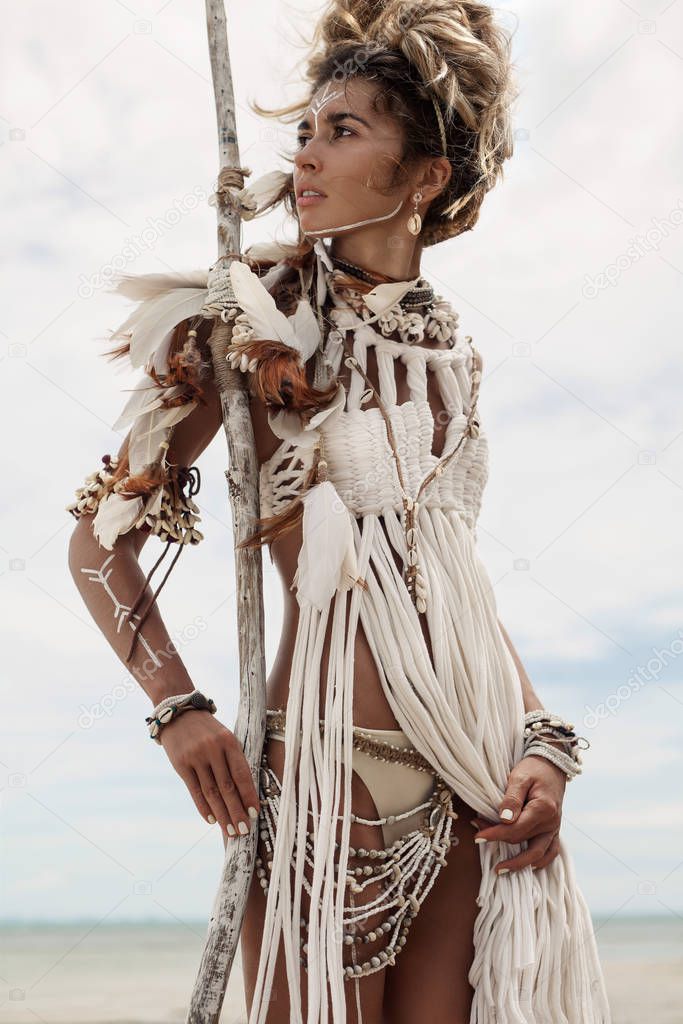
[310,222]
[316,222]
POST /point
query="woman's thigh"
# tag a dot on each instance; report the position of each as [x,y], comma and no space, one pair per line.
[370,988]
[429,979]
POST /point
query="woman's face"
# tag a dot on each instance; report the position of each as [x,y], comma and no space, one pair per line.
[346,151]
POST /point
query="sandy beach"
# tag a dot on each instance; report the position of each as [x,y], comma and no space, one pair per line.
[143,974]
[642,991]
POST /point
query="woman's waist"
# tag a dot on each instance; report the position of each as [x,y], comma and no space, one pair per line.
[370,705]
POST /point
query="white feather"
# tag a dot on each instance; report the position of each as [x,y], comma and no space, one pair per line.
[149,431]
[322,262]
[158,312]
[320,249]
[149,286]
[259,306]
[146,395]
[164,300]
[306,328]
[116,515]
[330,411]
[327,558]
[261,193]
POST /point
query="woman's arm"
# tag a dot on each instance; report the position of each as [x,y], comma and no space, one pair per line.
[110,581]
[206,755]
[531,808]
[531,700]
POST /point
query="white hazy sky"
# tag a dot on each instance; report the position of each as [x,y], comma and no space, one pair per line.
[570,286]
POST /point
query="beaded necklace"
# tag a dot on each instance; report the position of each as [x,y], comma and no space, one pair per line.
[422,295]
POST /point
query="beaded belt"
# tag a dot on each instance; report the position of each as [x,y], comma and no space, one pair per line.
[379,749]
[405,870]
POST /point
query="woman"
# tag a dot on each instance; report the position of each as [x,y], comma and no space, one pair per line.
[396,702]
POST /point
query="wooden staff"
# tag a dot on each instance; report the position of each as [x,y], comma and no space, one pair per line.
[242,476]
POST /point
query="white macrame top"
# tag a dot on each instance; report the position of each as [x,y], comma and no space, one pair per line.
[359,457]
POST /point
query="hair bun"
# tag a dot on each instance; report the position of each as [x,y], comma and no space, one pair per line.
[457,49]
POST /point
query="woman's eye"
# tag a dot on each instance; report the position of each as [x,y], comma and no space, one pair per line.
[303,139]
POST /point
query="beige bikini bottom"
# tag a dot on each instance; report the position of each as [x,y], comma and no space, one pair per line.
[386,762]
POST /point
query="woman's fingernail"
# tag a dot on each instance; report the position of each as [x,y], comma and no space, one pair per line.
[211,820]
[253,813]
[507,814]
[231,830]
[503,871]
[243,827]
[474,824]
[480,839]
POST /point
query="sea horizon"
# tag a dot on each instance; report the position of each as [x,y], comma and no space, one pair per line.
[142,971]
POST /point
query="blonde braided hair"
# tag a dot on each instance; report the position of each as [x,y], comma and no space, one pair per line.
[454,51]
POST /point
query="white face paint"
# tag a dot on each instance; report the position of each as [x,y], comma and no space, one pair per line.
[120,610]
[317,105]
[320,104]
[357,224]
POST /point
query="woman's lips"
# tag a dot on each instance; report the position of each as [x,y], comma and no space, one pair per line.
[309,200]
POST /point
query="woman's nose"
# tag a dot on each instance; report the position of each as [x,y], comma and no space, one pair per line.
[306,156]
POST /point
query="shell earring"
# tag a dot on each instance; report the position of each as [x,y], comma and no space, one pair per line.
[415,220]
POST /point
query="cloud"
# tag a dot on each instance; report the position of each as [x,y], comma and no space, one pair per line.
[109,134]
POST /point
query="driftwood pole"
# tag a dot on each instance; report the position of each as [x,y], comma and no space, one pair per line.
[242,476]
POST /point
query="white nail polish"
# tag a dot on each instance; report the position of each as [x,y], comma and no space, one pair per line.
[231,830]
[243,827]
[211,820]
[480,839]
[503,871]
[507,814]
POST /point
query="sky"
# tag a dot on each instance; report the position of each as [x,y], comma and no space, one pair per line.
[570,286]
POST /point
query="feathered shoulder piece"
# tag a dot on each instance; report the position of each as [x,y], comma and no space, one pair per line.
[140,488]
[166,337]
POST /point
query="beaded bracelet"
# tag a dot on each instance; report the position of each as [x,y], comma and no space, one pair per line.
[541,723]
[170,707]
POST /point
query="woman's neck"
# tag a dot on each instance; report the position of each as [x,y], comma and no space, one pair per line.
[377,257]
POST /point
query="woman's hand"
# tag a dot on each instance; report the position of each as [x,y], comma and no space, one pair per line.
[534,794]
[211,762]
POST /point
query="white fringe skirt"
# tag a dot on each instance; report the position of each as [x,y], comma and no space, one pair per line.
[535,956]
